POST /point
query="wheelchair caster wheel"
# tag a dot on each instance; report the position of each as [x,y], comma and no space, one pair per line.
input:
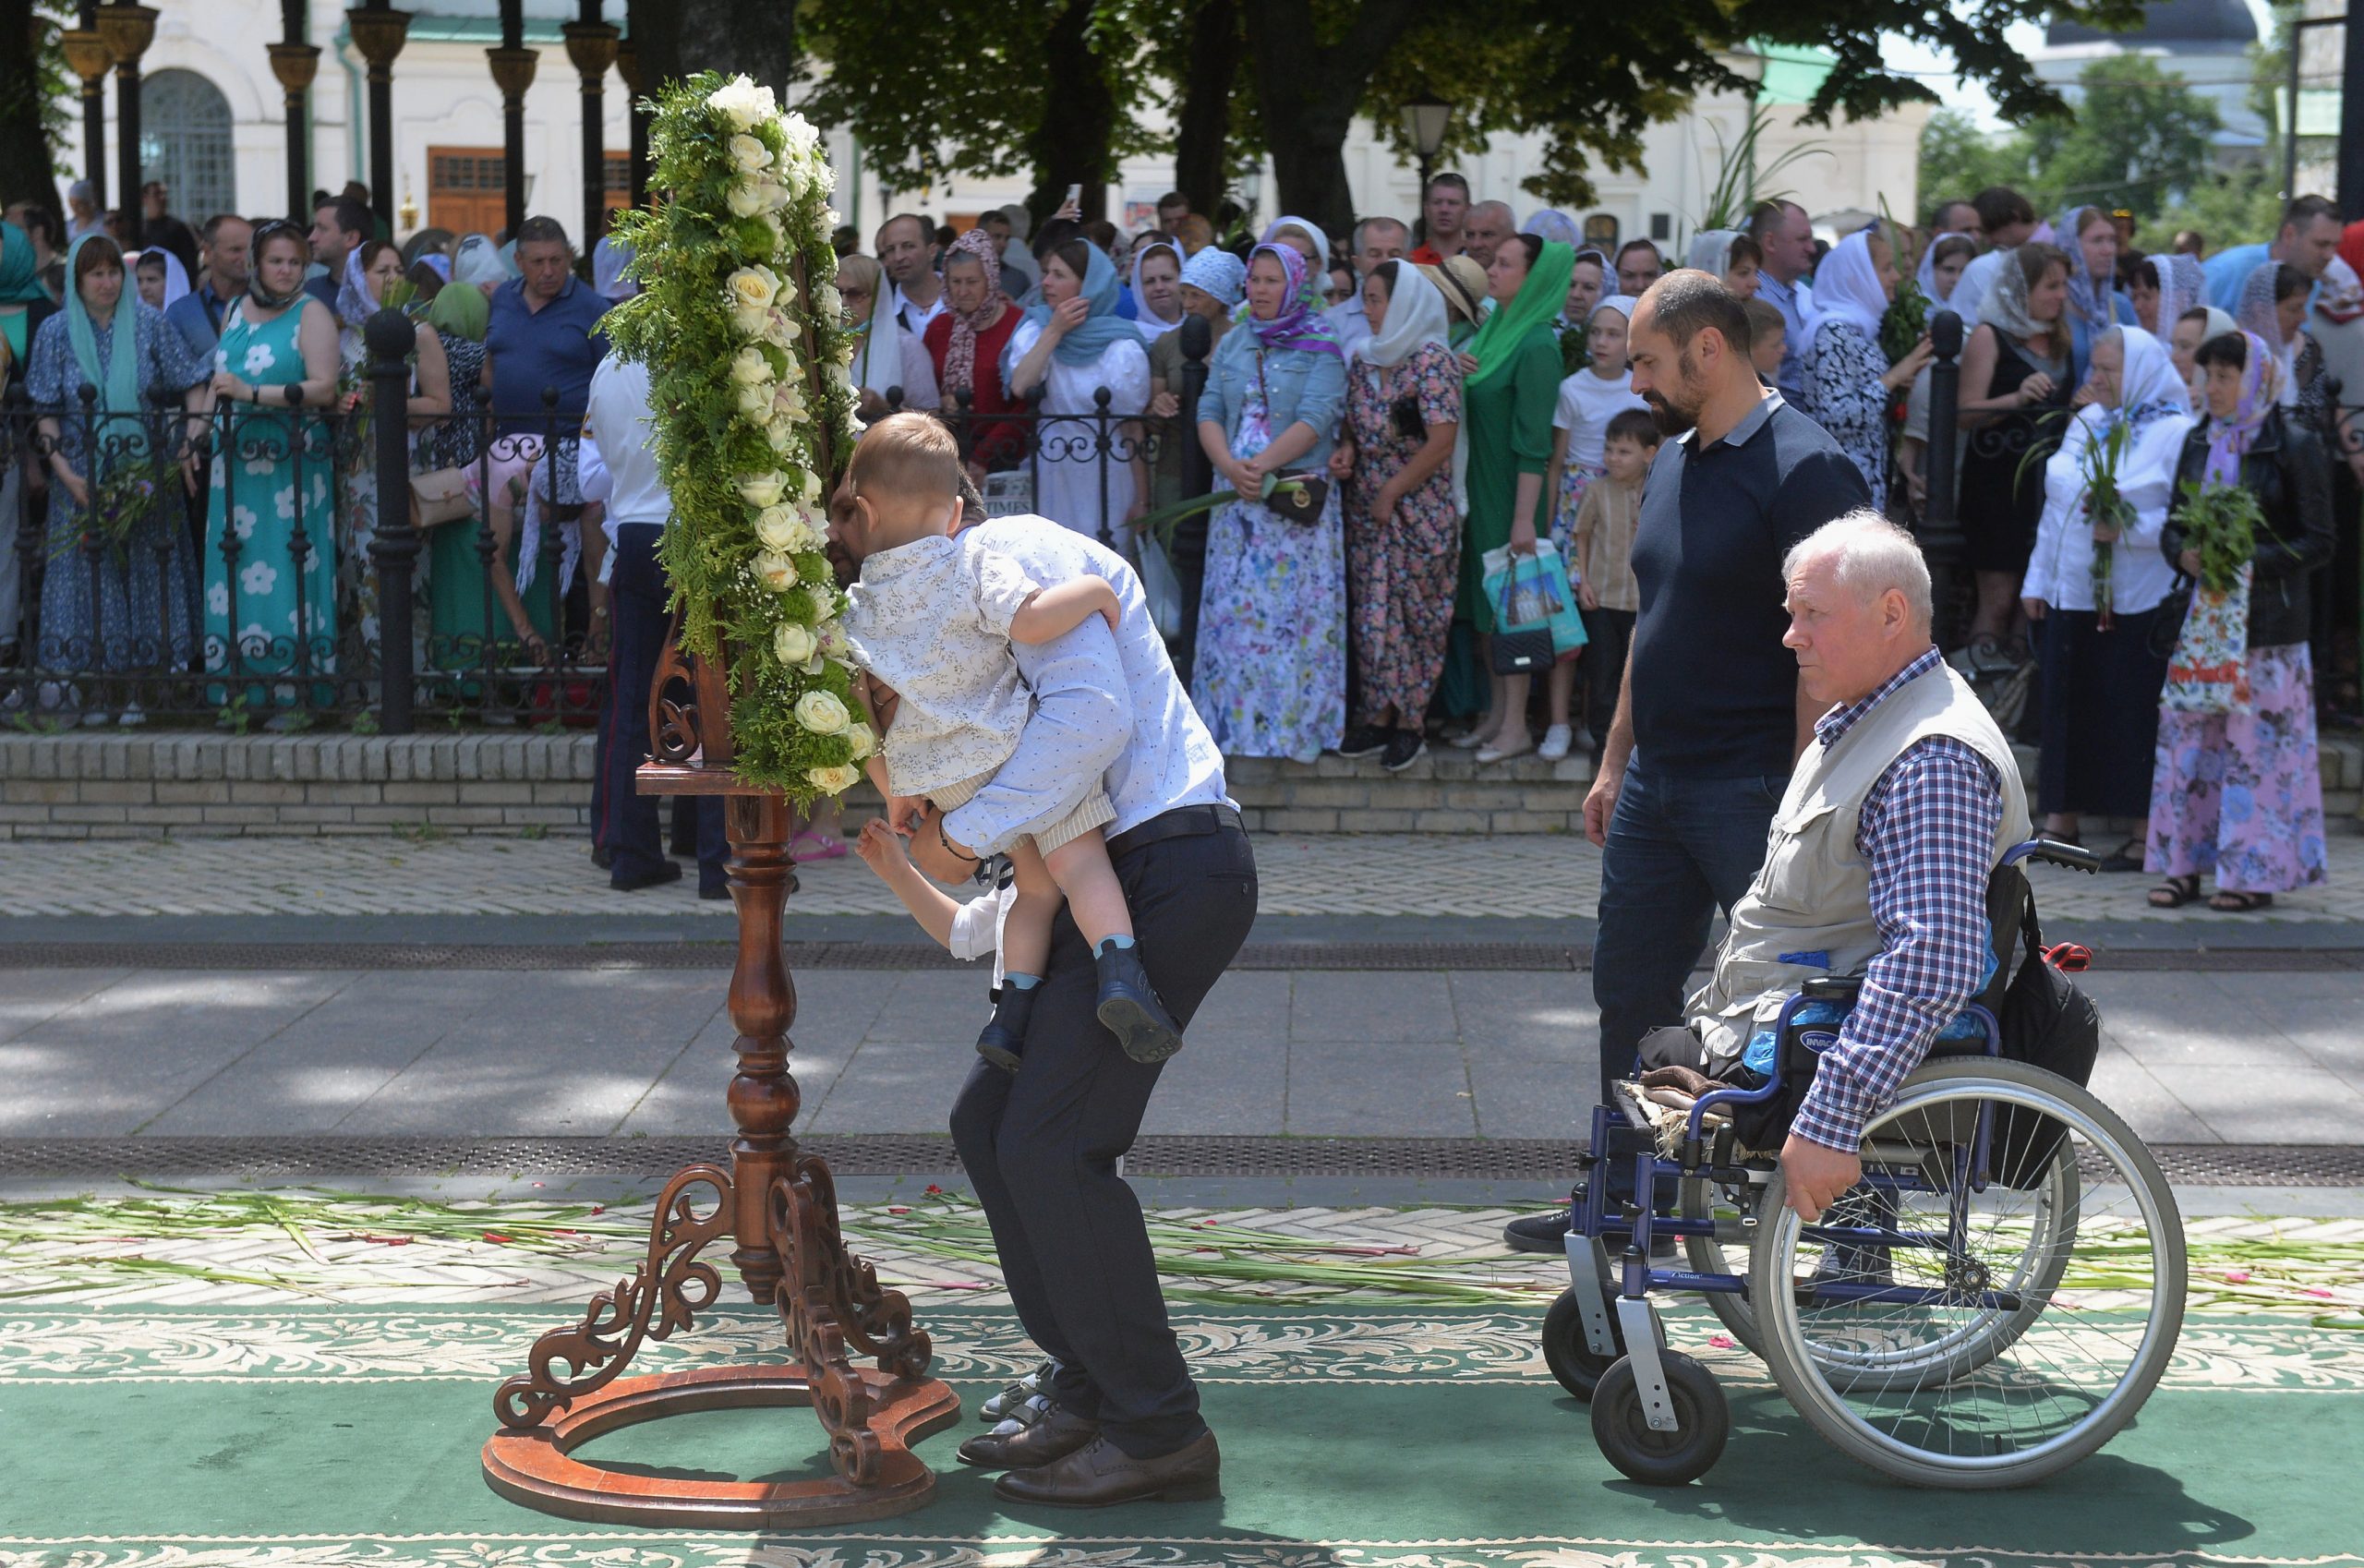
[1654,1458]
[1566,1351]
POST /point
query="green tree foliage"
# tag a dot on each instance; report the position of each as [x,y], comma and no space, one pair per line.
[2139,139]
[39,96]
[1958,158]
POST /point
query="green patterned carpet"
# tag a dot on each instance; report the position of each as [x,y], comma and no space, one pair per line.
[134,1435]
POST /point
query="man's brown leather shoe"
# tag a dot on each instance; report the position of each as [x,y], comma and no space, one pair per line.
[1099,1474]
[1053,1435]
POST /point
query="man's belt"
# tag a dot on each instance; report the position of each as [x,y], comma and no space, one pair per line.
[1182,821]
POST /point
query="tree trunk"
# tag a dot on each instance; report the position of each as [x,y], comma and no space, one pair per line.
[1307,93]
[1079,119]
[1202,133]
[25,167]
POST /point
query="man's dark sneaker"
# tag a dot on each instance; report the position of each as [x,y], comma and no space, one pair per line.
[1538,1233]
[1405,747]
[601,858]
[1130,1008]
[657,875]
[1362,740]
[1004,1039]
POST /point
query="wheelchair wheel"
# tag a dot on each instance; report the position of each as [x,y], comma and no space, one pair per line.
[1567,1351]
[1962,1355]
[1654,1458]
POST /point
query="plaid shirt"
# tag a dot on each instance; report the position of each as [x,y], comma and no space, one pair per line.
[1927,828]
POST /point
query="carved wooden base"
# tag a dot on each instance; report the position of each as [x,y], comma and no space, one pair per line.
[779,1207]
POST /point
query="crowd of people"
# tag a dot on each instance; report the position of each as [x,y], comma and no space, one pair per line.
[1391,419]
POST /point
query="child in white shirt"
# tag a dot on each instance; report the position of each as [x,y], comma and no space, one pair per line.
[932,621]
[1596,393]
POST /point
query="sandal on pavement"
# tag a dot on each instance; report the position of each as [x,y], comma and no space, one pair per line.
[826,847]
[1494,753]
[2126,857]
[2175,892]
[2240,903]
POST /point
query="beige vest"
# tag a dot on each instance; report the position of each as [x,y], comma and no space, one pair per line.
[1813,894]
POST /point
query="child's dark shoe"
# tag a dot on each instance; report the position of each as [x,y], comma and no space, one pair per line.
[1130,1008]
[1004,1039]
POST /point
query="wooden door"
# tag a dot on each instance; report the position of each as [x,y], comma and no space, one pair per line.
[467,189]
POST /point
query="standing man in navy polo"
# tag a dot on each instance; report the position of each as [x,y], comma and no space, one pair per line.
[1711,716]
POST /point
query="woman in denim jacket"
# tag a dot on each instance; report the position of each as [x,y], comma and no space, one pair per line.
[1269,678]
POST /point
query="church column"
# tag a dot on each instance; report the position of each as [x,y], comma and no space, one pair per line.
[378,32]
[591,45]
[628,68]
[128,31]
[86,52]
[513,72]
[294,61]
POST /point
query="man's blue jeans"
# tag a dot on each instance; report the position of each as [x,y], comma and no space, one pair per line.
[1678,849]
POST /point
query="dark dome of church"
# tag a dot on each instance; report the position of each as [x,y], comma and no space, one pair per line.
[2172,24]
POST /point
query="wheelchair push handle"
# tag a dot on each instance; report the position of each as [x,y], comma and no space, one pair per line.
[2076,857]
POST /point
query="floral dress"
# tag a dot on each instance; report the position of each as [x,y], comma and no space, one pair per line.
[1844,395]
[1269,680]
[1401,573]
[270,535]
[143,597]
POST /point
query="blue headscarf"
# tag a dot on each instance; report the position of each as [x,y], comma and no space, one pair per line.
[119,383]
[1085,344]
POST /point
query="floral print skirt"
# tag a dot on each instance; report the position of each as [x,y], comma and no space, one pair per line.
[1575,478]
[2241,793]
[1269,680]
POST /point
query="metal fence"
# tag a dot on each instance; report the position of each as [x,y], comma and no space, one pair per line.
[263,567]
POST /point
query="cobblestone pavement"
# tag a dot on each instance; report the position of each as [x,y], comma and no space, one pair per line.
[1534,876]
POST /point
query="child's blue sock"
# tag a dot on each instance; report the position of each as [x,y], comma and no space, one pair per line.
[1017,981]
[1107,943]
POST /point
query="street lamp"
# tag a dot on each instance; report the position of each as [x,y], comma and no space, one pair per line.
[1425,120]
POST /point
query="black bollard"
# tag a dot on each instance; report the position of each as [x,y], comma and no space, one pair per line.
[393,548]
[1941,539]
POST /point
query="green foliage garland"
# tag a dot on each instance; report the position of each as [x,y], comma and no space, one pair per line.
[738,322]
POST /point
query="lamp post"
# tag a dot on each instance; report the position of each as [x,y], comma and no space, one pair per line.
[86,53]
[591,46]
[296,61]
[128,30]
[378,32]
[1425,121]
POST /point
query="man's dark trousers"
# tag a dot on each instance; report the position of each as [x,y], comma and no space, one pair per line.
[1040,1145]
[636,595]
[1679,848]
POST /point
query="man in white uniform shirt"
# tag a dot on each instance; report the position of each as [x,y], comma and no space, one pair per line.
[1040,1145]
[618,465]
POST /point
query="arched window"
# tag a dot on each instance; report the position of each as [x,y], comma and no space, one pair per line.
[185,141]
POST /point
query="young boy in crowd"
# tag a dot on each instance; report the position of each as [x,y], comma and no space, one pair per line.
[1606,592]
[932,621]
[1589,400]
[1768,337]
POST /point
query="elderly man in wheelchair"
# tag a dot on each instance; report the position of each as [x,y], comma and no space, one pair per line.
[1898,1261]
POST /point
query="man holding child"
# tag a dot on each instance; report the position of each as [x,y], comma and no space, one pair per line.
[1041,1144]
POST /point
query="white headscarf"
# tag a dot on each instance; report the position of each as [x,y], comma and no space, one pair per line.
[1927,273]
[1304,226]
[1415,316]
[176,274]
[1549,224]
[2150,386]
[1968,298]
[478,260]
[1622,304]
[1152,328]
[2182,286]
[879,358]
[1711,251]
[1847,287]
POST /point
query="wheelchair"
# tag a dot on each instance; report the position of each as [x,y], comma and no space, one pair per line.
[1990,1304]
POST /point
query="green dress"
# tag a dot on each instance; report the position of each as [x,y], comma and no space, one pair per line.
[270,477]
[1510,434]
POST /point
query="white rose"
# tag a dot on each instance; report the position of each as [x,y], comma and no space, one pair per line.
[745,198]
[830,305]
[781,434]
[825,180]
[773,195]
[794,644]
[860,738]
[775,571]
[833,641]
[752,288]
[821,713]
[786,401]
[778,529]
[742,102]
[803,138]
[762,489]
[834,780]
[819,605]
[808,486]
[749,152]
[795,179]
[780,333]
[748,368]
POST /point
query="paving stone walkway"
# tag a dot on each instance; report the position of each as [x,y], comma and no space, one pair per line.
[1547,876]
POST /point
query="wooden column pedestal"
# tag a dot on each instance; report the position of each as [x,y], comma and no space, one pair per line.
[778,1207]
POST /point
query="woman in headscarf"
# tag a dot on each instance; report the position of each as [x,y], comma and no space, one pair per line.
[1590,396]
[2089,235]
[1090,470]
[2014,375]
[1847,381]
[1941,268]
[370,271]
[24,305]
[1550,225]
[886,357]
[272,477]
[1306,236]
[2241,793]
[462,560]
[141,581]
[1727,254]
[2101,666]
[1270,677]
[2274,306]
[162,278]
[2194,327]
[2162,288]
[1157,288]
[1213,286]
[1587,286]
[1403,534]
[481,264]
[964,344]
[609,259]
[1511,380]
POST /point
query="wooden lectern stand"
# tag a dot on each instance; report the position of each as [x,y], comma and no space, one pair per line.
[779,1208]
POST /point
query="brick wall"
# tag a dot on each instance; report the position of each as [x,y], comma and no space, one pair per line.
[87,785]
